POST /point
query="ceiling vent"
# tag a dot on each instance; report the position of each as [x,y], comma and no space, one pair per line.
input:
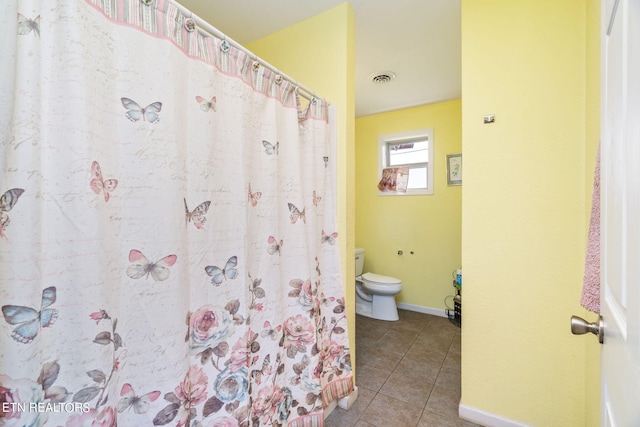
[382,77]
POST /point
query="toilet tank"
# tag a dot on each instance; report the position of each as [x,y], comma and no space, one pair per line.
[359,261]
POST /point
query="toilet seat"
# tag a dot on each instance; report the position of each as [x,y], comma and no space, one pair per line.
[378,278]
[382,285]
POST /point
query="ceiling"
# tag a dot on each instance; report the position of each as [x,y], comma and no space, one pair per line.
[417,40]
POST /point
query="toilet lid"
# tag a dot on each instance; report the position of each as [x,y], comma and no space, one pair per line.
[377,278]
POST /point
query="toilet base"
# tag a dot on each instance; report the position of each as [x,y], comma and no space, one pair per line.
[383,307]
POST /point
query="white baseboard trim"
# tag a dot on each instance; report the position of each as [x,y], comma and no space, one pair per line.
[488,419]
[420,309]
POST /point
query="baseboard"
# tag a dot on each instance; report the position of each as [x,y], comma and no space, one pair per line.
[487,419]
[420,309]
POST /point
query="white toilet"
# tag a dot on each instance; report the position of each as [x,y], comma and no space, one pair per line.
[375,293]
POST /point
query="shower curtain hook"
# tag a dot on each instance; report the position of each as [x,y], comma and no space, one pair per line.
[224,46]
[190,23]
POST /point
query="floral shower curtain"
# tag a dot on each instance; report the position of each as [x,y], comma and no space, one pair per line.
[168,233]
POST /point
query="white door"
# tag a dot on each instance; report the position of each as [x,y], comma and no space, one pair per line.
[620,212]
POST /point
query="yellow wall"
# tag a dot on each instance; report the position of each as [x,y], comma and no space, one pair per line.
[430,226]
[319,53]
[524,208]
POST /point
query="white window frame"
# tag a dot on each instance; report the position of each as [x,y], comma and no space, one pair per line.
[401,137]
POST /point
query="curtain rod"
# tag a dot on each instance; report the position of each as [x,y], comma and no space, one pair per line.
[207,27]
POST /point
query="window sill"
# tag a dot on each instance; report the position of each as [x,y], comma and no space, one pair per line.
[423,192]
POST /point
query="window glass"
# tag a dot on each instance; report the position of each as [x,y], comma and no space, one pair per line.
[406,153]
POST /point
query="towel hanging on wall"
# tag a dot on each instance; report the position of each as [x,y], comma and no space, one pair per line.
[394,180]
[590,298]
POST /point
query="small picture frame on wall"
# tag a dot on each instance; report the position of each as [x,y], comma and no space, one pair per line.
[454,169]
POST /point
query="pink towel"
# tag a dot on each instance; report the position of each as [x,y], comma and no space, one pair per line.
[590,298]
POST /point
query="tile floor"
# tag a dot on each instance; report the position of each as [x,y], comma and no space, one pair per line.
[407,373]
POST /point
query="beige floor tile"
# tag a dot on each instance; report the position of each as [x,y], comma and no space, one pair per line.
[417,323]
[444,401]
[397,341]
[423,371]
[443,323]
[374,326]
[380,358]
[421,353]
[431,419]
[452,361]
[436,337]
[407,389]
[449,379]
[371,377]
[386,411]
[340,418]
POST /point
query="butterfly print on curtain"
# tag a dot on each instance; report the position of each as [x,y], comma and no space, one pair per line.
[273,332]
[329,238]
[99,184]
[7,201]
[140,404]
[274,245]
[296,214]
[207,105]
[219,275]
[26,25]
[254,197]
[265,370]
[270,148]
[29,321]
[197,215]
[141,266]
[135,112]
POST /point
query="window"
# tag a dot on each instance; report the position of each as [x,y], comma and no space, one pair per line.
[412,151]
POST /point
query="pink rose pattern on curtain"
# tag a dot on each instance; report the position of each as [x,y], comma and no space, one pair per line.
[168,244]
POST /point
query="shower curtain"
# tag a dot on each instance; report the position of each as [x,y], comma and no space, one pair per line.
[168,249]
